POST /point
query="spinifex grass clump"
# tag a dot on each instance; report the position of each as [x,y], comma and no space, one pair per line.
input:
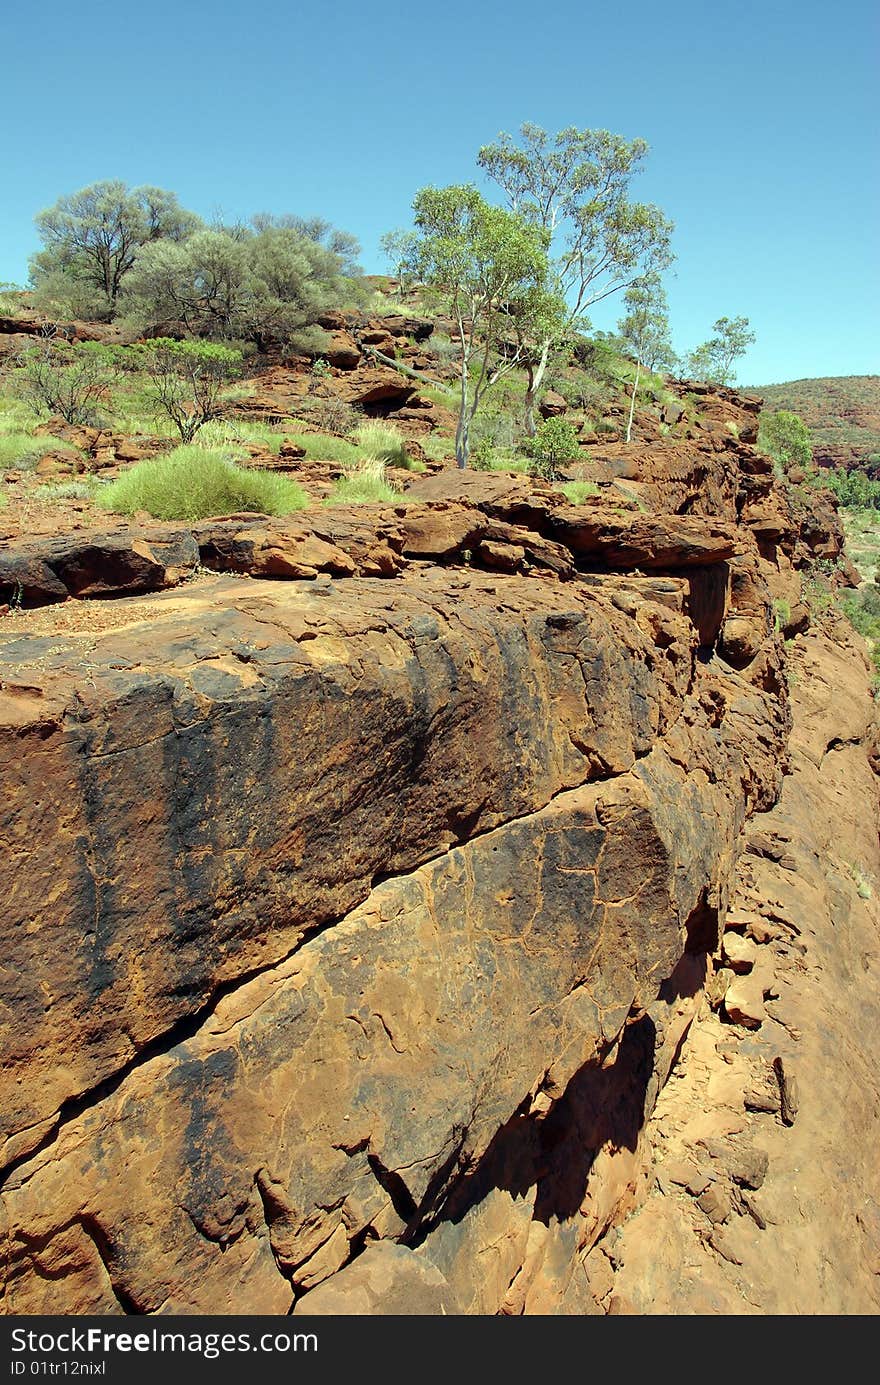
[321,447]
[386,442]
[22,451]
[579,491]
[197,482]
[365,485]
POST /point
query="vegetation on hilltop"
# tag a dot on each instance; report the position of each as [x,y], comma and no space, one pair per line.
[842,413]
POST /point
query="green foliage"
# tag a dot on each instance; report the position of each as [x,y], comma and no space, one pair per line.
[320,368]
[554,444]
[842,412]
[11,299]
[862,882]
[195,483]
[781,614]
[70,381]
[187,381]
[91,239]
[438,448]
[483,456]
[267,286]
[321,448]
[489,268]
[22,451]
[785,438]
[400,250]
[853,488]
[575,185]
[645,327]
[714,359]
[579,491]
[575,188]
[387,444]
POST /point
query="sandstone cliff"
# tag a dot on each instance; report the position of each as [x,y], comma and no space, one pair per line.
[367,876]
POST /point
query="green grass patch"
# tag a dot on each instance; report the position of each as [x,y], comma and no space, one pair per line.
[438,448]
[319,447]
[234,432]
[387,444]
[195,483]
[579,491]
[16,416]
[444,399]
[67,490]
[363,489]
[22,450]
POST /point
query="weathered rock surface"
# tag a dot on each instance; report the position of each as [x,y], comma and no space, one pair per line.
[804,1231]
[366,890]
[219,783]
[276,793]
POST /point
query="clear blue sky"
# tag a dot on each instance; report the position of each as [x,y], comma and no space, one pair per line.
[761,116]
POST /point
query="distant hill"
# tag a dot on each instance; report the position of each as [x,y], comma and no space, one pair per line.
[843,413]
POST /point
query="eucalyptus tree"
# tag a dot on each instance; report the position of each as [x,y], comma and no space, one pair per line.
[575,186]
[645,331]
[489,268]
[714,359]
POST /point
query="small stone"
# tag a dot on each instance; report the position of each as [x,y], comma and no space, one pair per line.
[740,953]
[748,1166]
[685,1174]
[722,1243]
[744,1001]
[715,1203]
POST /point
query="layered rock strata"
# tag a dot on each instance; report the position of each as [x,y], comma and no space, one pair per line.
[361,894]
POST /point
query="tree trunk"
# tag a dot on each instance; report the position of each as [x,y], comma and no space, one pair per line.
[536,375]
[463,427]
[632,403]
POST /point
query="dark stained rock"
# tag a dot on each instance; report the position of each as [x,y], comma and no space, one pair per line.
[334,735]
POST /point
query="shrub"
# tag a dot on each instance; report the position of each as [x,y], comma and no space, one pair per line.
[196,482]
[482,456]
[331,415]
[187,380]
[66,380]
[554,444]
[270,285]
[579,491]
[785,438]
[853,488]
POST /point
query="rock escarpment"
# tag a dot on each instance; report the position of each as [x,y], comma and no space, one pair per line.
[361,892]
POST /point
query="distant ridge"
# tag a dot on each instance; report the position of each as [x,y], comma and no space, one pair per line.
[843,412]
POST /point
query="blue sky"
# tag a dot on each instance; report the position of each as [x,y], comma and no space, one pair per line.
[761,117]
